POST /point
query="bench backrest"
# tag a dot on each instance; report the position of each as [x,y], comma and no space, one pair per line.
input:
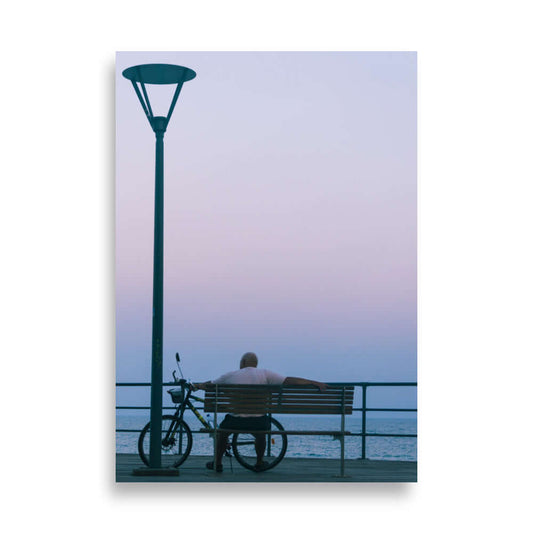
[265,399]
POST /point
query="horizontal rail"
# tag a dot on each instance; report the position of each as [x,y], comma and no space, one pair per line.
[387,409]
[364,434]
[359,409]
[295,432]
[313,432]
[146,408]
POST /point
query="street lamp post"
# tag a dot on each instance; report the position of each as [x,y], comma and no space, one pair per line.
[140,75]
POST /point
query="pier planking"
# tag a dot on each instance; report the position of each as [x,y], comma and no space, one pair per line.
[300,470]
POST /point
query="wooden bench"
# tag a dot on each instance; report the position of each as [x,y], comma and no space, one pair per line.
[277,399]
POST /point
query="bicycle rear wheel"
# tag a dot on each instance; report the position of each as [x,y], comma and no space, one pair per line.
[243,446]
[176,442]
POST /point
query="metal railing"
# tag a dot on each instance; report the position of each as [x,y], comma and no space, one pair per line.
[364,409]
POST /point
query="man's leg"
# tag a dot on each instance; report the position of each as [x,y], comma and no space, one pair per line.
[222,443]
[260,446]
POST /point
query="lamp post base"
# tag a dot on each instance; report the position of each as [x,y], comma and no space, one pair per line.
[147,471]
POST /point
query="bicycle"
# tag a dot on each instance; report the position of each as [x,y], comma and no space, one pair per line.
[177,439]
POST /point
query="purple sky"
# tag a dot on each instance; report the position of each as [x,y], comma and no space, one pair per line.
[290,216]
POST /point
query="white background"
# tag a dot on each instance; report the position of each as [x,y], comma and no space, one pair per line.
[475,290]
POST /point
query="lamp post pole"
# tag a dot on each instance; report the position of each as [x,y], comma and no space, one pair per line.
[159,74]
[156,403]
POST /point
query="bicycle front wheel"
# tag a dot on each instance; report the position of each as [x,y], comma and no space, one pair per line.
[176,442]
[243,446]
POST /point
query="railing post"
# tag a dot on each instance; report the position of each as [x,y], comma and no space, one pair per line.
[363,423]
[342,429]
[215,429]
[269,437]
[180,440]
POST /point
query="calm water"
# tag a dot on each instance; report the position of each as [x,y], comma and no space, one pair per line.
[384,448]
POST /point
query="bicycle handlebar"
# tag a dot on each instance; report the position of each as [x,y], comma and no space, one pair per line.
[181,381]
[178,381]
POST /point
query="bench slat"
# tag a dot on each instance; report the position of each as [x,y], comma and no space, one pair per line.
[280,397]
[227,386]
[289,411]
[274,404]
[273,408]
[284,394]
[312,399]
[288,432]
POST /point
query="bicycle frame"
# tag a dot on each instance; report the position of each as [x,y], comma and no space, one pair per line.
[187,403]
[180,412]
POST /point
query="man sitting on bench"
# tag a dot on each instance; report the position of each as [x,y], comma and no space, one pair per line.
[249,374]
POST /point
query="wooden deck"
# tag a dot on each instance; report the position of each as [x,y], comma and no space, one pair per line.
[289,470]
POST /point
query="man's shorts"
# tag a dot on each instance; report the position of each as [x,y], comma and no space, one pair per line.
[250,423]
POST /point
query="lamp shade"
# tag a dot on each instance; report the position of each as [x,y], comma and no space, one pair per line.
[157,74]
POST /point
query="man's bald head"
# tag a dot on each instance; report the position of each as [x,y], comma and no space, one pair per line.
[248,359]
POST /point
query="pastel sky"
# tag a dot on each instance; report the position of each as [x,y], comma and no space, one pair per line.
[290,216]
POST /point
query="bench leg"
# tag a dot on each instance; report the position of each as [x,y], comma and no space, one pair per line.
[342,474]
[215,439]
[215,434]
[342,445]
[342,456]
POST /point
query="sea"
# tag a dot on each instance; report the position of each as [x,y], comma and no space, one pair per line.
[320,446]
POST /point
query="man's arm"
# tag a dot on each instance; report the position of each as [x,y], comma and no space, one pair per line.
[303,381]
[222,379]
[201,386]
